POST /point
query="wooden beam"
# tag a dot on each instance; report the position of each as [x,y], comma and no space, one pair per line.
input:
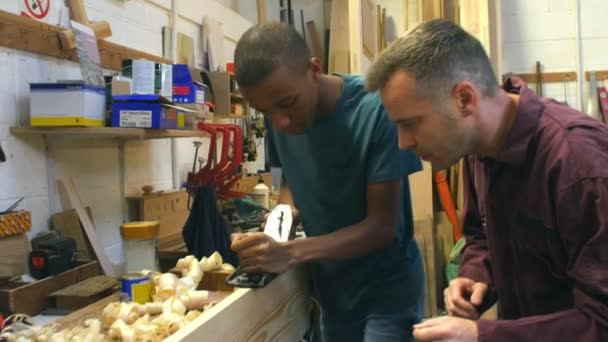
[78,11]
[339,56]
[25,34]
[549,77]
[600,75]
[354,32]
[72,200]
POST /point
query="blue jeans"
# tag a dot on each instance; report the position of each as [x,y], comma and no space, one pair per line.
[373,328]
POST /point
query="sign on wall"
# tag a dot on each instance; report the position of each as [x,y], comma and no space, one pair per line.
[48,11]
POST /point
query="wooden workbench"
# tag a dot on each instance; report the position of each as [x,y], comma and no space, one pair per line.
[278,312]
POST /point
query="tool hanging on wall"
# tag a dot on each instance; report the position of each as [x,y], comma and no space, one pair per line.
[255,130]
[223,175]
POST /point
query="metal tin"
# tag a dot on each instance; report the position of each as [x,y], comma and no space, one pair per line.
[137,286]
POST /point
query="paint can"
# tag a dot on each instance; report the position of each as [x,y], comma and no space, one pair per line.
[137,286]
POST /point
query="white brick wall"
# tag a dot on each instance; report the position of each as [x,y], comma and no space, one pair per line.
[94,164]
[546,31]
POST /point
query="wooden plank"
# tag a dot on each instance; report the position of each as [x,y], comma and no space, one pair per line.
[355,43]
[88,287]
[368,25]
[550,77]
[261,11]
[423,233]
[106,132]
[72,201]
[172,242]
[25,34]
[443,244]
[78,11]
[406,15]
[383,20]
[449,9]
[315,45]
[14,253]
[86,292]
[278,312]
[91,311]
[421,189]
[185,49]
[600,75]
[339,55]
[68,224]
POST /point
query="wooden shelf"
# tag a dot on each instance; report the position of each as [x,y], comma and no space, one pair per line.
[26,34]
[106,132]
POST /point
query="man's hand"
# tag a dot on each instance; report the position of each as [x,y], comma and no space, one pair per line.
[463,297]
[258,252]
[446,329]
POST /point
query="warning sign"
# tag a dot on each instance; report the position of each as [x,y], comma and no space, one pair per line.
[37,9]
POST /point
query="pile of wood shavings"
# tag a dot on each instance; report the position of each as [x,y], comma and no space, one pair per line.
[176,302]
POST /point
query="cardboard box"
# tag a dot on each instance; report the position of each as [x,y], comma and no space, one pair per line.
[66,104]
[14,255]
[146,111]
[188,87]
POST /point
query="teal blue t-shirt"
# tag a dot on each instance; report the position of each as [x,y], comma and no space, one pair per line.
[328,170]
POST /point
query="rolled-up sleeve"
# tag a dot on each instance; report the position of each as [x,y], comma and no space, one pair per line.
[582,212]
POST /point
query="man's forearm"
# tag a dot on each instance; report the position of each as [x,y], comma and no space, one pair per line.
[359,239]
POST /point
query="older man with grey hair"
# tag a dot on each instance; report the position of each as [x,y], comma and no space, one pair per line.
[536,190]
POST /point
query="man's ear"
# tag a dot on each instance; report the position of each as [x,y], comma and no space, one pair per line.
[315,66]
[467,97]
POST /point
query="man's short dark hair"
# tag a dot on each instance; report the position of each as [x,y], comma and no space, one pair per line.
[438,54]
[263,48]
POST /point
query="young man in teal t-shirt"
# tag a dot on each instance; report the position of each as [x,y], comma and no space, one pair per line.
[344,175]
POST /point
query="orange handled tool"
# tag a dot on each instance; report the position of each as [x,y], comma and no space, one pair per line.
[445,197]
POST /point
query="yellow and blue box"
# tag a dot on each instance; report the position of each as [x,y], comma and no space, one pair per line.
[146,111]
[67,104]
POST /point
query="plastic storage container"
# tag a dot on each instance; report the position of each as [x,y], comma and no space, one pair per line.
[261,193]
[140,245]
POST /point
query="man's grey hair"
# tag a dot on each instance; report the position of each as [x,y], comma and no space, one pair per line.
[438,54]
[263,48]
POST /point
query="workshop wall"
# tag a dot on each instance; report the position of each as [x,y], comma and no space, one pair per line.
[94,164]
[546,31]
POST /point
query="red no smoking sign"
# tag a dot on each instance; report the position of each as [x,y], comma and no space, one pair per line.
[36,8]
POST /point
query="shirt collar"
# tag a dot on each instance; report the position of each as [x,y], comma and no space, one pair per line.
[529,110]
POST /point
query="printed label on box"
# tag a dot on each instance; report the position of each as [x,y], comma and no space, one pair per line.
[200,97]
[136,118]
